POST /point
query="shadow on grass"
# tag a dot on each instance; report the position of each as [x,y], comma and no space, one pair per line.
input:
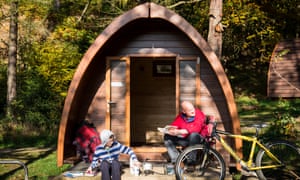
[25,155]
[18,138]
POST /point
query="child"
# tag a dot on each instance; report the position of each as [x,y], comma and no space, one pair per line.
[107,156]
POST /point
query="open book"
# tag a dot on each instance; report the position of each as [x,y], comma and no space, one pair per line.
[73,174]
[166,129]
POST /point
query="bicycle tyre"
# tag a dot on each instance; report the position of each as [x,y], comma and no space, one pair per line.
[286,152]
[214,165]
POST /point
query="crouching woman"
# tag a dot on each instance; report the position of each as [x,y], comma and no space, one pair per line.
[107,155]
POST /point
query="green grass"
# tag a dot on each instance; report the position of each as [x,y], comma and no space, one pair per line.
[35,149]
[41,167]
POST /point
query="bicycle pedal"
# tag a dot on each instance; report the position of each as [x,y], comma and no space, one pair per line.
[245,168]
[249,173]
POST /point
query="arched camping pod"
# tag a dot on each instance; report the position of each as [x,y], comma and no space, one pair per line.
[284,70]
[133,77]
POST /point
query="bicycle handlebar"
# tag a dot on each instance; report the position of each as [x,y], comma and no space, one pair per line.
[216,131]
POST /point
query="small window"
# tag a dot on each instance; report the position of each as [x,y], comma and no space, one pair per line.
[163,68]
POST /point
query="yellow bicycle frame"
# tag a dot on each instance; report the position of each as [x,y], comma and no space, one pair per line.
[255,142]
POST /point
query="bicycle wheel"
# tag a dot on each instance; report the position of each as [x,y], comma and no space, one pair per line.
[198,162]
[287,153]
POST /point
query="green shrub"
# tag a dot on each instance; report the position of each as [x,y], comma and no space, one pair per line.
[284,126]
[284,122]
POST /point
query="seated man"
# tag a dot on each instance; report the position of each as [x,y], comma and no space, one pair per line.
[189,128]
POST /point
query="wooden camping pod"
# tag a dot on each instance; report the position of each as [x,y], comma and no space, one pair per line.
[134,76]
[284,70]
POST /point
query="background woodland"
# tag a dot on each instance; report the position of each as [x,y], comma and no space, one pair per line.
[53,35]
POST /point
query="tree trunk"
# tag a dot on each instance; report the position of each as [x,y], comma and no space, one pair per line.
[215,27]
[12,57]
[57,4]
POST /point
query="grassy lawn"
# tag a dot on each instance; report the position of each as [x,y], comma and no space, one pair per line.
[41,161]
[41,164]
[37,151]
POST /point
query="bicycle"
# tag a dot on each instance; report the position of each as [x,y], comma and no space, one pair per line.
[278,159]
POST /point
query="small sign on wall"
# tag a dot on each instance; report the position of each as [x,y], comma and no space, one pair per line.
[163,68]
[117,84]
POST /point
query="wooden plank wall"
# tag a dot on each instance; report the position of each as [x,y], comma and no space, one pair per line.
[148,39]
[284,70]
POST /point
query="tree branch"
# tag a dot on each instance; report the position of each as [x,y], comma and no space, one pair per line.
[182,2]
[84,10]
